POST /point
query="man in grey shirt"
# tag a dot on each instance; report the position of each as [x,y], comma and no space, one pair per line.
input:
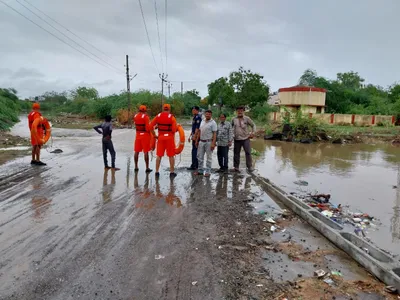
[205,143]
[242,136]
[224,141]
[106,130]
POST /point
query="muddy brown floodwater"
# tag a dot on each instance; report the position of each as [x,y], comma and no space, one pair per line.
[72,231]
[365,177]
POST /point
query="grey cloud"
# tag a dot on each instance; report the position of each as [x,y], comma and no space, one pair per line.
[26,73]
[206,39]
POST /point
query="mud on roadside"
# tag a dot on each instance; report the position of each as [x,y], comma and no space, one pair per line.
[279,263]
[7,141]
[70,121]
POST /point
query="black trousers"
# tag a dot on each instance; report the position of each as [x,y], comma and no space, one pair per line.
[238,144]
[195,162]
[222,153]
[108,145]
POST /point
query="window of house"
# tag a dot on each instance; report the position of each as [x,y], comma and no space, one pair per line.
[319,109]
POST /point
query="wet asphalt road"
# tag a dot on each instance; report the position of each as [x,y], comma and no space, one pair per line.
[71,230]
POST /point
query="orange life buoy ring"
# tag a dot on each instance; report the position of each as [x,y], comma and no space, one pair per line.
[41,122]
[179,149]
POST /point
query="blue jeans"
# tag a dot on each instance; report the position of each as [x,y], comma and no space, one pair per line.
[195,162]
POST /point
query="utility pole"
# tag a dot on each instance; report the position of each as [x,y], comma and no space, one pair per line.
[181,88]
[128,88]
[169,89]
[163,78]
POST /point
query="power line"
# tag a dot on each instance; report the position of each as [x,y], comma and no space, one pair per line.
[49,32]
[166,51]
[148,38]
[67,36]
[55,21]
[158,32]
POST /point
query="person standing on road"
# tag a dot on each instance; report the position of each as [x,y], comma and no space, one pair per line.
[242,136]
[36,145]
[205,143]
[224,142]
[106,130]
[167,127]
[193,137]
[142,140]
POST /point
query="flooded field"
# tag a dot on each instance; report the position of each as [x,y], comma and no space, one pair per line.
[365,177]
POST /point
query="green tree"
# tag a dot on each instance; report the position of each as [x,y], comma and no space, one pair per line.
[250,88]
[9,108]
[242,87]
[85,92]
[188,99]
[351,80]
[308,78]
[394,92]
[222,90]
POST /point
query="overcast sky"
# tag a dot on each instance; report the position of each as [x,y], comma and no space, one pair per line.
[206,39]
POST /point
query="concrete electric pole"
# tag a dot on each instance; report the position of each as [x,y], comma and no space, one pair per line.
[128,89]
[163,78]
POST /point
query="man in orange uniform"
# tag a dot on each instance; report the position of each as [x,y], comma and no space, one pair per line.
[142,141]
[36,145]
[167,127]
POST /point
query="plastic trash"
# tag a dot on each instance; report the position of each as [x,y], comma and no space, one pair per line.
[327,213]
[301,182]
[391,289]
[365,250]
[359,231]
[159,256]
[273,228]
[357,220]
[194,283]
[270,220]
[319,273]
[329,281]
[336,273]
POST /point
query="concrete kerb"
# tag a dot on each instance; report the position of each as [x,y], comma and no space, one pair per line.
[374,260]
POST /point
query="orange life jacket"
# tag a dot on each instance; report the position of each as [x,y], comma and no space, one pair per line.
[164,121]
[141,122]
[31,118]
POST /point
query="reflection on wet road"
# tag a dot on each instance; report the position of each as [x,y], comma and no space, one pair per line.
[73,230]
[71,227]
[365,177]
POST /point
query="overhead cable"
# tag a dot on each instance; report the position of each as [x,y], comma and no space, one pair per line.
[74,34]
[148,38]
[76,43]
[49,32]
[158,33]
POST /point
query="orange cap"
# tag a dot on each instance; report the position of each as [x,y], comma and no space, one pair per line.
[142,108]
[166,107]
[36,106]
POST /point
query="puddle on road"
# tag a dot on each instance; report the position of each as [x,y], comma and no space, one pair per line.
[17,148]
[365,177]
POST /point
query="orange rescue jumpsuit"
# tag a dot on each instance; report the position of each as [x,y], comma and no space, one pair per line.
[142,141]
[31,118]
[166,133]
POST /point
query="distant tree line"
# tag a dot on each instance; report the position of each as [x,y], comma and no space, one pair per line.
[348,94]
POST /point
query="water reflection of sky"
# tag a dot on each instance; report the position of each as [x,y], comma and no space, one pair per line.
[361,176]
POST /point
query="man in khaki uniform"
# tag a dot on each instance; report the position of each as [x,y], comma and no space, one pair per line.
[242,136]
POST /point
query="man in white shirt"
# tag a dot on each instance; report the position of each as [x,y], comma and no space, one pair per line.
[206,140]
